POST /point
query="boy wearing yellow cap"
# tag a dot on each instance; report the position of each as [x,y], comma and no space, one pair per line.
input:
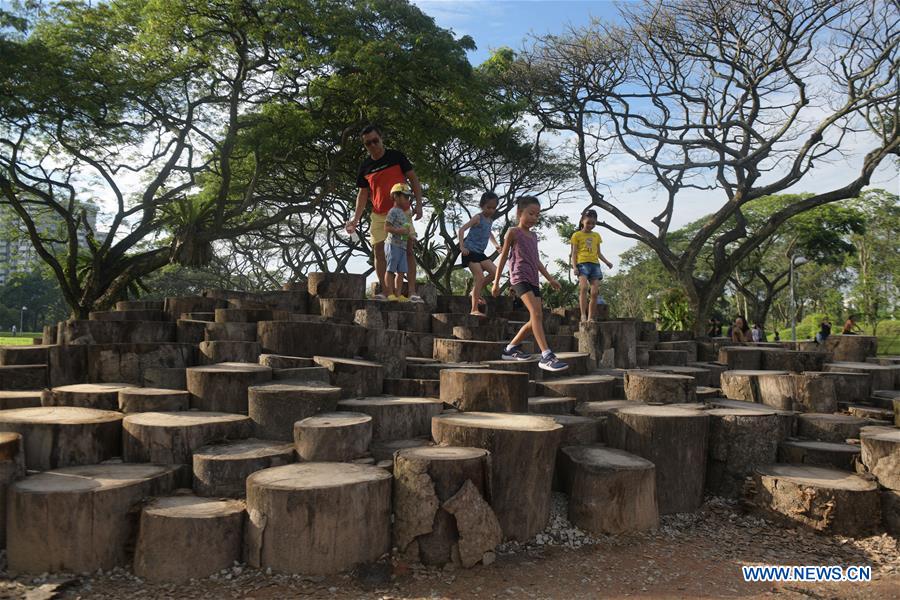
[400,234]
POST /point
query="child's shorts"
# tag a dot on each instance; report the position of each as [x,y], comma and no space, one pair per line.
[523,287]
[396,259]
[590,270]
[472,257]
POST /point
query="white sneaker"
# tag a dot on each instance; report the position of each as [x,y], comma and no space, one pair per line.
[417,299]
[379,297]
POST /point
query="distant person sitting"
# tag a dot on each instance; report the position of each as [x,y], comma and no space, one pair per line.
[713,328]
[850,326]
[756,334]
[824,331]
[740,331]
[777,336]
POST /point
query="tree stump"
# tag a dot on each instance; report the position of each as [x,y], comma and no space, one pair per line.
[610,491]
[739,441]
[12,468]
[828,427]
[135,399]
[880,377]
[222,351]
[396,418]
[890,511]
[826,500]
[61,436]
[174,528]
[611,344]
[221,470]
[549,405]
[459,351]
[881,455]
[580,364]
[418,388]
[805,392]
[675,358]
[435,519]
[308,338]
[170,438]
[587,388]
[659,388]
[336,285]
[24,399]
[79,519]
[523,450]
[830,455]
[702,377]
[741,358]
[275,407]
[432,369]
[317,518]
[338,437]
[356,378]
[673,439]
[230,332]
[102,396]
[744,384]
[223,387]
[530,366]
[278,361]
[851,348]
[386,450]
[871,413]
[485,390]
[599,410]
[787,419]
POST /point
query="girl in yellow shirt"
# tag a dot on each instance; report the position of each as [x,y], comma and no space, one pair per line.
[586,257]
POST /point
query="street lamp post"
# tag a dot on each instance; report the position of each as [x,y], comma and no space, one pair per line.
[796,261]
[22,318]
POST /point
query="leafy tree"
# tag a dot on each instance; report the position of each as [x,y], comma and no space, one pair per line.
[746,98]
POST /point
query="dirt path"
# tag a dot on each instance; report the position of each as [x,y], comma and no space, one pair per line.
[690,556]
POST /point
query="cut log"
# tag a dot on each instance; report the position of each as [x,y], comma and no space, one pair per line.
[673,439]
[549,405]
[222,351]
[222,469]
[523,450]
[134,400]
[530,366]
[485,390]
[577,430]
[341,510]
[336,285]
[302,374]
[79,519]
[587,388]
[611,344]
[308,338]
[173,528]
[599,410]
[102,396]
[782,359]
[828,427]
[275,407]
[826,500]
[659,388]
[458,351]
[851,348]
[881,455]
[278,361]
[223,387]
[674,358]
[419,388]
[787,419]
[830,455]
[610,491]
[580,364]
[12,468]
[804,392]
[880,377]
[425,480]
[386,449]
[63,436]
[714,372]
[24,399]
[338,437]
[702,377]
[356,378]
[395,418]
[170,378]
[871,412]
[739,442]
[170,438]
[890,511]
[741,358]
[744,384]
[231,332]
[432,369]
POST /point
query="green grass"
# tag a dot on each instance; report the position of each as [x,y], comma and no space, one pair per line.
[888,333]
[20,339]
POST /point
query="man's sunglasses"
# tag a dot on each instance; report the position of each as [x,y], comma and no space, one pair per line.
[374,142]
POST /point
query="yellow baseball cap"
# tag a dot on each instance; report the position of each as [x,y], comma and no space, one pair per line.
[401,188]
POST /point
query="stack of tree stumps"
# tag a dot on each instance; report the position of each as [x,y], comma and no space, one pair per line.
[309,430]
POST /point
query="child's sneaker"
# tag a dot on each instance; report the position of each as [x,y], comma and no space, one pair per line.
[393,298]
[402,298]
[416,299]
[379,297]
[515,353]
[551,363]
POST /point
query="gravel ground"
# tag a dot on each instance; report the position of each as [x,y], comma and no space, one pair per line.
[695,555]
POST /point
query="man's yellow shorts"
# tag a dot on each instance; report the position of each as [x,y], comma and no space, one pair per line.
[376,228]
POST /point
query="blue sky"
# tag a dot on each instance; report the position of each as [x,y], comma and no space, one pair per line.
[494,24]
